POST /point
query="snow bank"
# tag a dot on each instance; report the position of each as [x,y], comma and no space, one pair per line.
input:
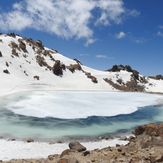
[22,150]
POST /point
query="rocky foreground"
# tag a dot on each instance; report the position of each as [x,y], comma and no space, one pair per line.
[145,147]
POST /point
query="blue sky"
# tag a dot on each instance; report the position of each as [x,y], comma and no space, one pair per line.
[100,33]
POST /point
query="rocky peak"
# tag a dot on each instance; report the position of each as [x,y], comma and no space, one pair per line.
[118,68]
[157,77]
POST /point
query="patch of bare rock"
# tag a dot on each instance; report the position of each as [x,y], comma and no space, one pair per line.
[146,146]
[135,84]
[157,77]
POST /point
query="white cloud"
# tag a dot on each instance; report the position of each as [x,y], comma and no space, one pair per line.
[111,10]
[65,18]
[22,21]
[161,26]
[84,55]
[160,33]
[140,40]
[133,12]
[90,41]
[103,56]
[120,35]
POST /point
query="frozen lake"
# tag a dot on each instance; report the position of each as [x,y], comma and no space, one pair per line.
[54,115]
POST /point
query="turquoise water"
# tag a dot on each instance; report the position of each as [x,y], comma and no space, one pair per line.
[22,126]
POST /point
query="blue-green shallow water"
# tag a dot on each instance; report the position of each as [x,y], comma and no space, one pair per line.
[20,126]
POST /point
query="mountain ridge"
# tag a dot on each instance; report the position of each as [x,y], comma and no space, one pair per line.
[27,65]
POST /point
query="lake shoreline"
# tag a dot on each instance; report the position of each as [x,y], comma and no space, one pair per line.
[56,150]
[14,149]
[138,148]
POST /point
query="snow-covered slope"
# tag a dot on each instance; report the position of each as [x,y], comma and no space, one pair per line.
[28,65]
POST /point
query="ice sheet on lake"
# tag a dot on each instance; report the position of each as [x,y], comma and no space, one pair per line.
[71,104]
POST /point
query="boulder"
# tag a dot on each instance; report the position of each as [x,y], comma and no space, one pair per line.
[12,139]
[149,135]
[67,152]
[85,153]
[70,160]
[154,159]
[77,146]
[30,140]
[150,129]
[50,157]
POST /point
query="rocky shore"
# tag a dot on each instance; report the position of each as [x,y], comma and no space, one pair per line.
[146,146]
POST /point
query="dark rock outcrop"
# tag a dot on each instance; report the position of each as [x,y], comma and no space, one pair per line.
[74,67]
[78,62]
[6,71]
[130,86]
[15,53]
[118,68]
[1,54]
[58,68]
[39,44]
[94,79]
[77,146]
[7,64]
[157,77]
[135,75]
[36,77]
[88,74]
[11,35]
[22,46]
[41,61]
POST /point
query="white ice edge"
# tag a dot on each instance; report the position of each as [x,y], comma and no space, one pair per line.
[81,104]
[35,150]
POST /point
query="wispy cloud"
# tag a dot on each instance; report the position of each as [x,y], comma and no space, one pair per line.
[82,55]
[90,41]
[133,13]
[140,40]
[64,18]
[159,34]
[103,56]
[120,35]
[160,26]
